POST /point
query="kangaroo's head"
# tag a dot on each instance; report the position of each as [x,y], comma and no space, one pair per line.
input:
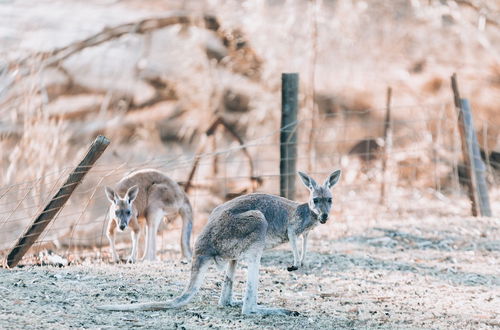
[321,198]
[121,208]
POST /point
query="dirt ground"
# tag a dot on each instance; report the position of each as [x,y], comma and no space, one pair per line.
[421,273]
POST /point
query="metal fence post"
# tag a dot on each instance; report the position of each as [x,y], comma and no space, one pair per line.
[288,133]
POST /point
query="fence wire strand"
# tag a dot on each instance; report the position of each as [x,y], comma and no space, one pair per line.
[424,176]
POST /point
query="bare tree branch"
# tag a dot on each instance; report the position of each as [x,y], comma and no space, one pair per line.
[481,9]
[254,180]
[56,56]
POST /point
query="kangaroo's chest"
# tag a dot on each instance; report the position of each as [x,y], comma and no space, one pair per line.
[277,235]
[274,241]
[137,223]
[304,225]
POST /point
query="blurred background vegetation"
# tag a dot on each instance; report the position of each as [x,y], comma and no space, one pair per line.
[154,75]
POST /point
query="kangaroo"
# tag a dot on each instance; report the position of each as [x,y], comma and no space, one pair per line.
[148,197]
[241,229]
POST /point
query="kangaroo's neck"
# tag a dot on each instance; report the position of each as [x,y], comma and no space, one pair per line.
[305,218]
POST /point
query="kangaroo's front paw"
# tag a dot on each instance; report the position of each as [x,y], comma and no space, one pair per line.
[131,260]
[292,268]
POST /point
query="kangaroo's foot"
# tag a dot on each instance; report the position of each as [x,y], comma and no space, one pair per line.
[149,257]
[116,260]
[131,260]
[261,310]
[231,303]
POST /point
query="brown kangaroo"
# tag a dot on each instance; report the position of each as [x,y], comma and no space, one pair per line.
[146,197]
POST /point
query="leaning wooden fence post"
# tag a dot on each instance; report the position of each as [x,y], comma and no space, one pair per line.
[479,166]
[57,202]
[474,166]
[387,145]
[288,134]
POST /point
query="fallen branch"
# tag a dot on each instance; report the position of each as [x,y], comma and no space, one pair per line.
[54,57]
[481,9]
[41,60]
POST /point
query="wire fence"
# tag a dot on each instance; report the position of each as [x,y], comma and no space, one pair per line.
[423,178]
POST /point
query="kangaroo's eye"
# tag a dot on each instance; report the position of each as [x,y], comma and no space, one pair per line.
[117,213]
[316,200]
[329,200]
[127,212]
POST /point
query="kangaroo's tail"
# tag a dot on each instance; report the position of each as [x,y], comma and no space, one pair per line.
[198,272]
[186,213]
[152,306]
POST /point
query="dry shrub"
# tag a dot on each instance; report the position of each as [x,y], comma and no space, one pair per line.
[43,146]
[34,166]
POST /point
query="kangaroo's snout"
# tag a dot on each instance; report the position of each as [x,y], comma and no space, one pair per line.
[122,226]
[323,218]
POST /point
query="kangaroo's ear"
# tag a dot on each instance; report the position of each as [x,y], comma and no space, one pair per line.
[110,193]
[131,194]
[308,181]
[332,179]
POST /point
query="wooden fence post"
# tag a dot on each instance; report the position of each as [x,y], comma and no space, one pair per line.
[57,202]
[479,167]
[387,145]
[474,166]
[288,133]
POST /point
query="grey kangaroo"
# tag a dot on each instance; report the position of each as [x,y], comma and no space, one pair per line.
[241,229]
[146,197]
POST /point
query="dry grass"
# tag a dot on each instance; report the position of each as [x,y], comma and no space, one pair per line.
[417,273]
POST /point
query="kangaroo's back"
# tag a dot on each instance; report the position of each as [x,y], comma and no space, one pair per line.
[277,211]
[145,180]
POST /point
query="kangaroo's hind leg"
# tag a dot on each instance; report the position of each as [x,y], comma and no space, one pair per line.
[226,297]
[250,301]
[244,237]
[153,220]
